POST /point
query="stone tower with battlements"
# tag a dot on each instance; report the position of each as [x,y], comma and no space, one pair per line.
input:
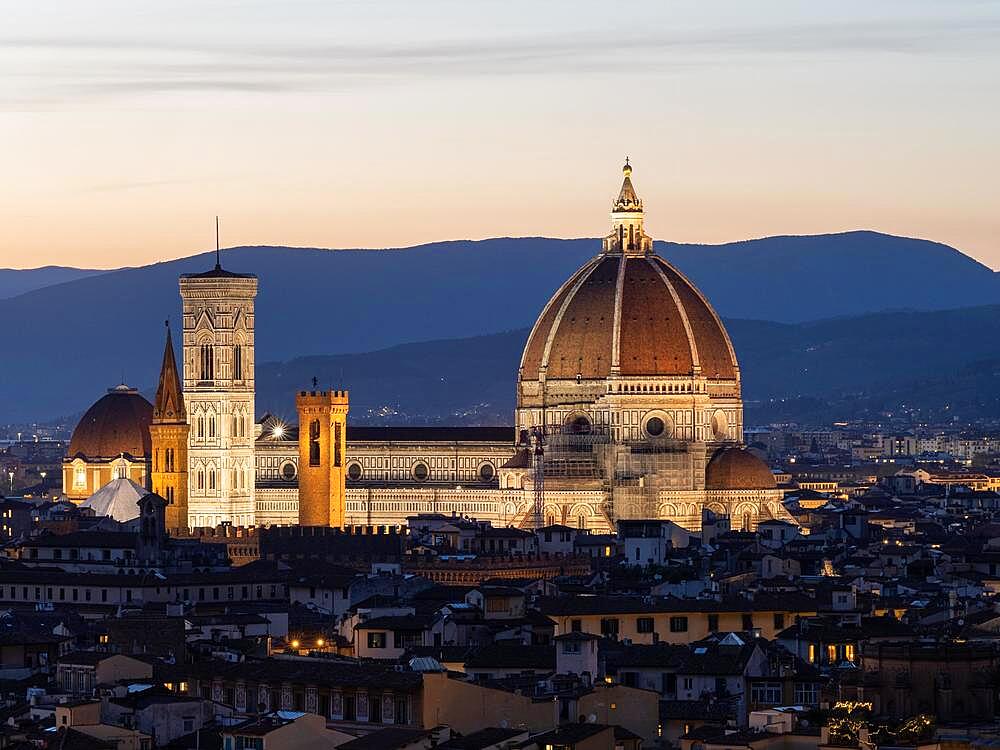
[322,448]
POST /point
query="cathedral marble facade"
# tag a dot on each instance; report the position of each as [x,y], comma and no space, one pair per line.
[629,405]
[218,362]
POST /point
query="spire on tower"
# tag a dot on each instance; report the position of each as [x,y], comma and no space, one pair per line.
[169,403]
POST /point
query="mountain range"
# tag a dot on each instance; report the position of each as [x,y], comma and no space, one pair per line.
[68,340]
[939,365]
[15,281]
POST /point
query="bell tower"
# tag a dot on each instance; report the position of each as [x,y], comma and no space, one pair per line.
[322,448]
[168,433]
[219,393]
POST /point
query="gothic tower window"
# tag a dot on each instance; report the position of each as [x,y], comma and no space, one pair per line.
[336,444]
[207,364]
[314,443]
[238,362]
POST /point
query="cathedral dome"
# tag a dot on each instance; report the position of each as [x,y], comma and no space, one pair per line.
[628,312]
[633,315]
[117,424]
[736,468]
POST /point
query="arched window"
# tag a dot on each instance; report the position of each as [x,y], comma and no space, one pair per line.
[314,443]
[207,362]
[238,362]
[337,431]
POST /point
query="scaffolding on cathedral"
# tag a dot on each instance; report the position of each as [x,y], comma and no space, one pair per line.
[643,470]
[630,475]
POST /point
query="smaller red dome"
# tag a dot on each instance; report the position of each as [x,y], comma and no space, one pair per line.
[736,468]
[118,423]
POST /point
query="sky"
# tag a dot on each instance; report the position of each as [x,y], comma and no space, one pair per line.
[126,126]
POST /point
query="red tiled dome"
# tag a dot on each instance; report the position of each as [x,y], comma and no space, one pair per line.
[736,468]
[118,423]
[636,308]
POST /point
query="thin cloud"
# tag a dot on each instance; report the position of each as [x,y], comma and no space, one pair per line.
[115,67]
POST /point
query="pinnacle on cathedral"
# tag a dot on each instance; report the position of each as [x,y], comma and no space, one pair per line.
[169,403]
[627,199]
[627,235]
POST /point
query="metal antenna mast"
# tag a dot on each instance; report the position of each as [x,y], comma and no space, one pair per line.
[218,256]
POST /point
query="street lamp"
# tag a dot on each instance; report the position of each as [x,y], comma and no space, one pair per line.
[10,476]
[42,474]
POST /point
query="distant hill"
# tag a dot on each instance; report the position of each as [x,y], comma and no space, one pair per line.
[15,281]
[946,364]
[456,381]
[65,344]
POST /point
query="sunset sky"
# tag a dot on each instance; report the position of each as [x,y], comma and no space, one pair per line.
[127,126]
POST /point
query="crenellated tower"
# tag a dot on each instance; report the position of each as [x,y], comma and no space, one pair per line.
[322,449]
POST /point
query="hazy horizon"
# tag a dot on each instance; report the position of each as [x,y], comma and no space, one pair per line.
[392,124]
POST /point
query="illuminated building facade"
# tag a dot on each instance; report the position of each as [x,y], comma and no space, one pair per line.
[168,432]
[628,406]
[111,441]
[218,310]
[322,457]
[630,379]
